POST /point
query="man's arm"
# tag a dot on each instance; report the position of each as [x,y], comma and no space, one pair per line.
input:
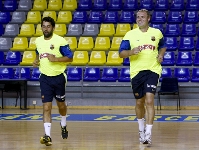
[162,50]
[36,61]
[125,49]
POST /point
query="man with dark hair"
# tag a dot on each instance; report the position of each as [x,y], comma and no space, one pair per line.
[53,53]
[145,48]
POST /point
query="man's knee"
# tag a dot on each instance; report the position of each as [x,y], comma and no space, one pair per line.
[47,106]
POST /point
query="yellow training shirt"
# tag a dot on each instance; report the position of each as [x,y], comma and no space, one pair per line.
[52,46]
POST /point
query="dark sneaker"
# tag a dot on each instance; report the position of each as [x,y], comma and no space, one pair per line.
[147,139]
[64,132]
[46,140]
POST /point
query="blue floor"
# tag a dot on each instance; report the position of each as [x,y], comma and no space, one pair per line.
[102,117]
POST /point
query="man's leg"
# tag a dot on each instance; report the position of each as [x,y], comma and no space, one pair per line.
[63,111]
[47,117]
[140,113]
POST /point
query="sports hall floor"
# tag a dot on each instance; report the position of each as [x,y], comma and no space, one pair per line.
[99,130]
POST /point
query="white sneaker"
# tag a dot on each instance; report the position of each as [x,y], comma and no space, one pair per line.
[147,139]
[142,137]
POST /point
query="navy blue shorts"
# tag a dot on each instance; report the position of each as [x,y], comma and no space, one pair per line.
[145,81]
[52,87]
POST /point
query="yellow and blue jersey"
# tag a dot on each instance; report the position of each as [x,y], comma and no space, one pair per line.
[149,43]
[57,46]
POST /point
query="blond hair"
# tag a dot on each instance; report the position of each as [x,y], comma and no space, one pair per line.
[145,10]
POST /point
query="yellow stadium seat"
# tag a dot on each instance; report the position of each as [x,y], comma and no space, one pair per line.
[135,26]
[27,30]
[70,5]
[54,5]
[33,17]
[102,43]
[20,44]
[113,59]
[32,45]
[38,31]
[40,5]
[115,45]
[97,58]
[107,30]
[51,14]
[121,29]
[60,29]
[28,58]
[64,17]
[72,41]
[85,43]
[80,58]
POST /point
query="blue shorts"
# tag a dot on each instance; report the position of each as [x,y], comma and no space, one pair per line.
[145,81]
[52,87]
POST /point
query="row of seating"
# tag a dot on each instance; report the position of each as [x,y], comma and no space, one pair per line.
[99,17]
[11,5]
[100,43]
[95,74]
[99,58]
[119,30]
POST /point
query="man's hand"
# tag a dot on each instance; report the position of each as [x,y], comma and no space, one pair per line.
[52,58]
[36,63]
[134,51]
[160,58]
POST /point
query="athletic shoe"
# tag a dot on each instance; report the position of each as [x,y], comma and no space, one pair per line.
[46,140]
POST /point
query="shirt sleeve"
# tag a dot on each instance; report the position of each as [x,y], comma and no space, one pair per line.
[161,43]
[125,44]
[66,51]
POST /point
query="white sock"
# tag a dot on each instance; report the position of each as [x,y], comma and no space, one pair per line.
[63,121]
[141,124]
[149,128]
[47,127]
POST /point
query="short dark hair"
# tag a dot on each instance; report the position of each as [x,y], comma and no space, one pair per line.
[48,19]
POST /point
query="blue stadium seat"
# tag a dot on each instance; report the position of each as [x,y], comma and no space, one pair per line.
[196,59]
[169,59]
[0,5]
[158,17]
[182,74]
[115,5]
[186,44]
[35,74]
[1,57]
[126,62]
[166,73]
[171,43]
[172,30]
[100,5]
[192,5]
[197,45]
[130,5]
[188,30]
[184,59]
[195,75]
[91,74]
[127,17]
[12,58]
[191,17]
[174,17]
[146,4]
[157,26]
[6,73]
[74,74]
[84,5]
[10,5]
[1,29]
[111,17]
[109,75]
[124,75]
[177,5]
[79,17]
[96,17]
[25,73]
[5,17]
[162,5]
